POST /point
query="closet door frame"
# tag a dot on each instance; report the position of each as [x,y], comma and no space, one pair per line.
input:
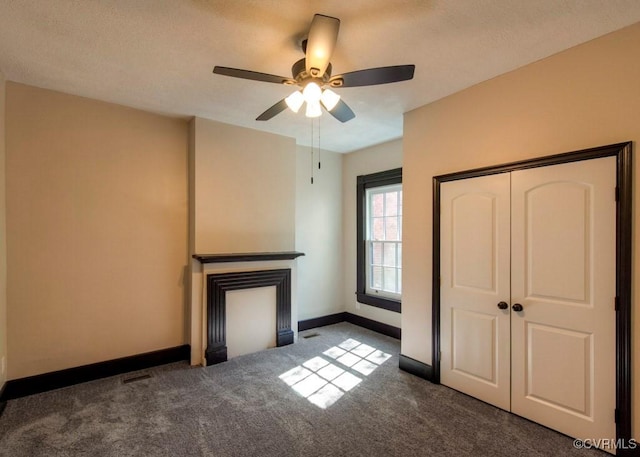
[624,171]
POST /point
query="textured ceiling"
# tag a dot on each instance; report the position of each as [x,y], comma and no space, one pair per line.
[158,55]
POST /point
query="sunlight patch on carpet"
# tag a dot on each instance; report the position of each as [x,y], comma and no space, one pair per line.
[323,383]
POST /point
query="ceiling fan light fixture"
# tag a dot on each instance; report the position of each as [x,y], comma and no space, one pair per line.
[329,99]
[313,109]
[312,93]
[295,101]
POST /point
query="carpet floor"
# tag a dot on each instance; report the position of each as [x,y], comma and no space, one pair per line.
[338,392]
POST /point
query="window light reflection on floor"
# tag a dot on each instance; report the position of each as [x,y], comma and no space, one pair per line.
[323,383]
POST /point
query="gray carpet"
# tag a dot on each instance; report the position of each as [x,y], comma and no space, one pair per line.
[274,404]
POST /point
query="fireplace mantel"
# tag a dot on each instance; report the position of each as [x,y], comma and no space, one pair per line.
[247,256]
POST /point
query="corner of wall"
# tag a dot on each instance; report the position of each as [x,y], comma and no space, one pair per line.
[318,232]
[381,157]
[3,238]
[191,183]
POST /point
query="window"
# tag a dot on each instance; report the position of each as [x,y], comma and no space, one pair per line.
[383,241]
[379,250]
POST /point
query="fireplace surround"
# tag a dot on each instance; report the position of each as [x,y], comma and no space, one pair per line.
[219,284]
[243,271]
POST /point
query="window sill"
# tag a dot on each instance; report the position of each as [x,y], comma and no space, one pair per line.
[379,302]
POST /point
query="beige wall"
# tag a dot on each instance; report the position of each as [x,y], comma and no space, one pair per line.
[584,97]
[386,156]
[3,241]
[319,234]
[96,230]
[243,189]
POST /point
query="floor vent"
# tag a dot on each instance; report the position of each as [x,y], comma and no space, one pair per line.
[311,335]
[136,378]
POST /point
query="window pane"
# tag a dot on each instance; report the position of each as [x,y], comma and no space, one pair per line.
[389,279]
[377,206]
[378,228]
[400,255]
[390,255]
[391,232]
[376,282]
[376,253]
[391,199]
[383,237]
[399,281]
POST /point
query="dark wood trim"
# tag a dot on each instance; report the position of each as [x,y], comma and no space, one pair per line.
[369,324]
[379,327]
[3,403]
[219,284]
[435,290]
[247,256]
[416,368]
[624,278]
[54,380]
[364,182]
[316,322]
[556,159]
[379,302]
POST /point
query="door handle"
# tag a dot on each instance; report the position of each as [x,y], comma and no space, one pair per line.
[503,305]
[517,307]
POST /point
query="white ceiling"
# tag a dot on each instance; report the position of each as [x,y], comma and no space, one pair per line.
[158,55]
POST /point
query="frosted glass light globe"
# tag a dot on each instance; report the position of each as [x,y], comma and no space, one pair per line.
[312,93]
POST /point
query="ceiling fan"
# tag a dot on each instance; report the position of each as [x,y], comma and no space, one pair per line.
[313,74]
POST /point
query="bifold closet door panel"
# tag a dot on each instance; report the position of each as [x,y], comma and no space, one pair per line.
[563,244]
[475,264]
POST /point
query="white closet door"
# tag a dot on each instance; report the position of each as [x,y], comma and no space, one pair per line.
[475,270]
[563,274]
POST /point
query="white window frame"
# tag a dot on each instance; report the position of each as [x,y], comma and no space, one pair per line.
[369,242]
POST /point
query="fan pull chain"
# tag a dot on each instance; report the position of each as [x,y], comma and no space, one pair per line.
[312,151]
[319,150]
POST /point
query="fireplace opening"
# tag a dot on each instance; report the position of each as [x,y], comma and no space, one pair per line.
[217,287]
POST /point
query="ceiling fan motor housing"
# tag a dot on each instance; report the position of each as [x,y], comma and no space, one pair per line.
[299,73]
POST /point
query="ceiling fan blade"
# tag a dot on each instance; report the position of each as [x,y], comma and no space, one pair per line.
[373,76]
[341,111]
[273,111]
[323,35]
[253,75]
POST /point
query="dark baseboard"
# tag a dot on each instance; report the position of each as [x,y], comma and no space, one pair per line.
[376,326]
[3,403]
[17,388]
[354,319]
[321,321]
[422,370]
